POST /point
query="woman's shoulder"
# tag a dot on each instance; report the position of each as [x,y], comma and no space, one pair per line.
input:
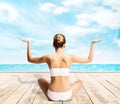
[46,56]
[69,55]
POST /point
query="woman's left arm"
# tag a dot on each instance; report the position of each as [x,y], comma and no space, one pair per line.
[76,59]
[43,59]
[90,57]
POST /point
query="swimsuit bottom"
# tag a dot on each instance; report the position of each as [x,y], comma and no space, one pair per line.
[59,96]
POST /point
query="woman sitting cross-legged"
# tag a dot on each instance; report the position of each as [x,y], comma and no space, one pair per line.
[59,65]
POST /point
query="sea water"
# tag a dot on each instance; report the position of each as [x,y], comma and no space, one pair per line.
[73,68]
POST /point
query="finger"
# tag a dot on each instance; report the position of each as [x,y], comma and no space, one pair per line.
[22,39]
[98,40]
[101,39]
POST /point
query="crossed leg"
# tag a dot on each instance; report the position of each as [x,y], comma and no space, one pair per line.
[75,87]
[43,83]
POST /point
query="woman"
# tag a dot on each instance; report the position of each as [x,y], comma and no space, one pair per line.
[59,65]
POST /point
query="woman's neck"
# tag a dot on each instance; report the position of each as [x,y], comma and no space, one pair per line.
[59,50]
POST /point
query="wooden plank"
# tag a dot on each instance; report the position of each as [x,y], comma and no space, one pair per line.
[68,102]
[6,85]
[58,102]
[19,92]
[40,100]
[101,79]
[12,86]
[8,80]
[97,93]
[115,76]
[29,96]
[16,96]
[4,77]
[111,78]
[5,80]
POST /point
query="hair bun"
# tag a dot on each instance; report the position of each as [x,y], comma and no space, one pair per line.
[59,40]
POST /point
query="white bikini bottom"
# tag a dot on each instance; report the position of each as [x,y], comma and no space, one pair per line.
[59,95]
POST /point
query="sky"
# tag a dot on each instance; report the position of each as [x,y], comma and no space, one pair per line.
[81,21]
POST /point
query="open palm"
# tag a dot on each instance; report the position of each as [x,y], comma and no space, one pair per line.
[24,40]
[96,41]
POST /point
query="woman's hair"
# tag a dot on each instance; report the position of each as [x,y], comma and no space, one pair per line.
[59,40]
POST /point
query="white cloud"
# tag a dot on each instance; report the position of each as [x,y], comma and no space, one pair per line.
[77,30]
[68,3]
[83,23]
[102,16]
[83,19]
[47,7]
[106,17]
[60,10]
[7,13]
[52,8]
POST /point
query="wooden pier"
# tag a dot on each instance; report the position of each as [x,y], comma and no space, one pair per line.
[22,88]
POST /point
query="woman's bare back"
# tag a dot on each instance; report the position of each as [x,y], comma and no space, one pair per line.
[59,83]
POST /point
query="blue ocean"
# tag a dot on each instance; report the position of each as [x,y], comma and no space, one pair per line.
[74,68]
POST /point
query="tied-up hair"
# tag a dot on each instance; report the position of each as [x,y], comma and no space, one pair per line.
[59,40]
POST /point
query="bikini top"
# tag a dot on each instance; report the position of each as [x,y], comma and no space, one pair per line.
[59,71]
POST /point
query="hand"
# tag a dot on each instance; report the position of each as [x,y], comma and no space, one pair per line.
[98,40]
[24,40]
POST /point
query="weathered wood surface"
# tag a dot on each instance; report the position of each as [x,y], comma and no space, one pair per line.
[22,88]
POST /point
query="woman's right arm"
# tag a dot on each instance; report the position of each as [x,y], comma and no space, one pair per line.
[43,59]
[75,59]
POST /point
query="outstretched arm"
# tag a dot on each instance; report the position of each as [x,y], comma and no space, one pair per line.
[91,53]
[75,59]
[43,59]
